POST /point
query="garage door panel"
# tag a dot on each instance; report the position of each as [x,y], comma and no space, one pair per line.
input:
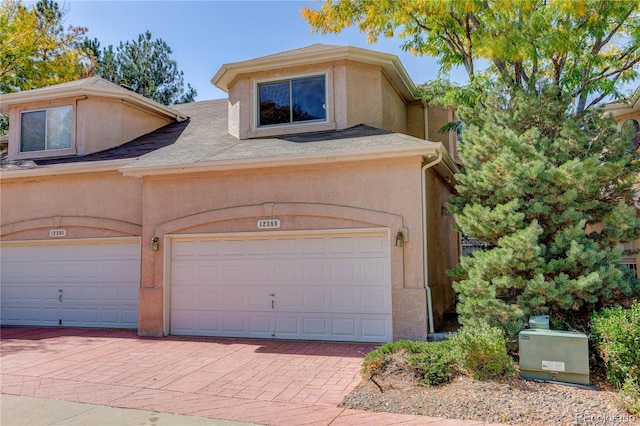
[130,317]
[375,245]
[316,299]
[343,245]
[206,323]
[258,299]
[110,294]
[185,272]
[105,315]
[285,247]
[345,327]
[312,245]
[344,299]
[257,247]
[374,273]
[233,273]
[285,272]
[375,329]
[313,273]
[183,321]
[205,297]
[99,283]
[375,300]
[259,325]
[288,326]
[233,297]
[259,273]
[344,272]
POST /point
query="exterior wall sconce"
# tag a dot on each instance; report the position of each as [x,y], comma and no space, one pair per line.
[399,239]
[445,211]
[154,244]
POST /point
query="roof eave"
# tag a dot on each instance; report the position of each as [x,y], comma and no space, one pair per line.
[66,169]
[258,163]
[83,90]
[390,63]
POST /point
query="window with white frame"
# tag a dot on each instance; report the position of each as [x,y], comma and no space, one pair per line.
[46,129]
[292,101]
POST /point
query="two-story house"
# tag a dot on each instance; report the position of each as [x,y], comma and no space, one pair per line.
[307,205]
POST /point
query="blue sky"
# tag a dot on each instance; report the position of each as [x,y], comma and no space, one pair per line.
[206,34]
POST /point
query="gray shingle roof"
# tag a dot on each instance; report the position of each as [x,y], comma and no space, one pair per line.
[204,138]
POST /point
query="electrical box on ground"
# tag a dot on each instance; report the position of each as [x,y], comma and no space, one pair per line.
[554,355]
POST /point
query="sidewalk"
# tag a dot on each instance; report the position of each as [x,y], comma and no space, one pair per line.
[30,411]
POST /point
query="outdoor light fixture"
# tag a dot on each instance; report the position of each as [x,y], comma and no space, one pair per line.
[154,244]
[399,239]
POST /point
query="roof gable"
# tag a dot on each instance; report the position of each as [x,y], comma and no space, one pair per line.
[319,53]
[96,86]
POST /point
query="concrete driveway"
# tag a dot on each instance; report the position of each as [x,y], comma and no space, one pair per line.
[271,382]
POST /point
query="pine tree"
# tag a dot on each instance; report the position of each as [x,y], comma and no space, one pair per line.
[145,66]
[550,192]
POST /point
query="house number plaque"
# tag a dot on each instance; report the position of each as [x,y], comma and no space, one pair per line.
[57,233]
[268,223]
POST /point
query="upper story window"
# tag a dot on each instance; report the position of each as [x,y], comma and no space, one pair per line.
[46,129]
[634,127]
[292,101]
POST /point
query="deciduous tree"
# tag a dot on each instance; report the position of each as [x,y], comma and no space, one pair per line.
[35,48]
[585,48]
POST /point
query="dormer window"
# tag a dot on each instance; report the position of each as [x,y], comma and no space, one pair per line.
[292,101]
[46,129]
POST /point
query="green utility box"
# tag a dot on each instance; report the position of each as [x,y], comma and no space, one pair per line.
[554,355]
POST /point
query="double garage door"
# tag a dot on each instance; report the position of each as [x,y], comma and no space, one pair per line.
[313,286]
[329,286]
[75,283]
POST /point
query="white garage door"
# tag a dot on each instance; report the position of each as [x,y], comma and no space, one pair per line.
[77,283]
[330,286]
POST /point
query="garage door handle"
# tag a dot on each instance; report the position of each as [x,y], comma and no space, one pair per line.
[60,296]
[273,304]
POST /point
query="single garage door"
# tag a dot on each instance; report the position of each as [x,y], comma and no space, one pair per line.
[330,286]
[75,283]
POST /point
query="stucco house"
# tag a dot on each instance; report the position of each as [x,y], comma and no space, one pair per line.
[307,205]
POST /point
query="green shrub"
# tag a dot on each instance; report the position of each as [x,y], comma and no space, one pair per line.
[629,397]
[375,361]
[481,352]
[616,334]
[431,361]
[435,364]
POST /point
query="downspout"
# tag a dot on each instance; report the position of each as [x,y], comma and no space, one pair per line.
[425,256]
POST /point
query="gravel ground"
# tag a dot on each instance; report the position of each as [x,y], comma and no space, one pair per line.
[517,402]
